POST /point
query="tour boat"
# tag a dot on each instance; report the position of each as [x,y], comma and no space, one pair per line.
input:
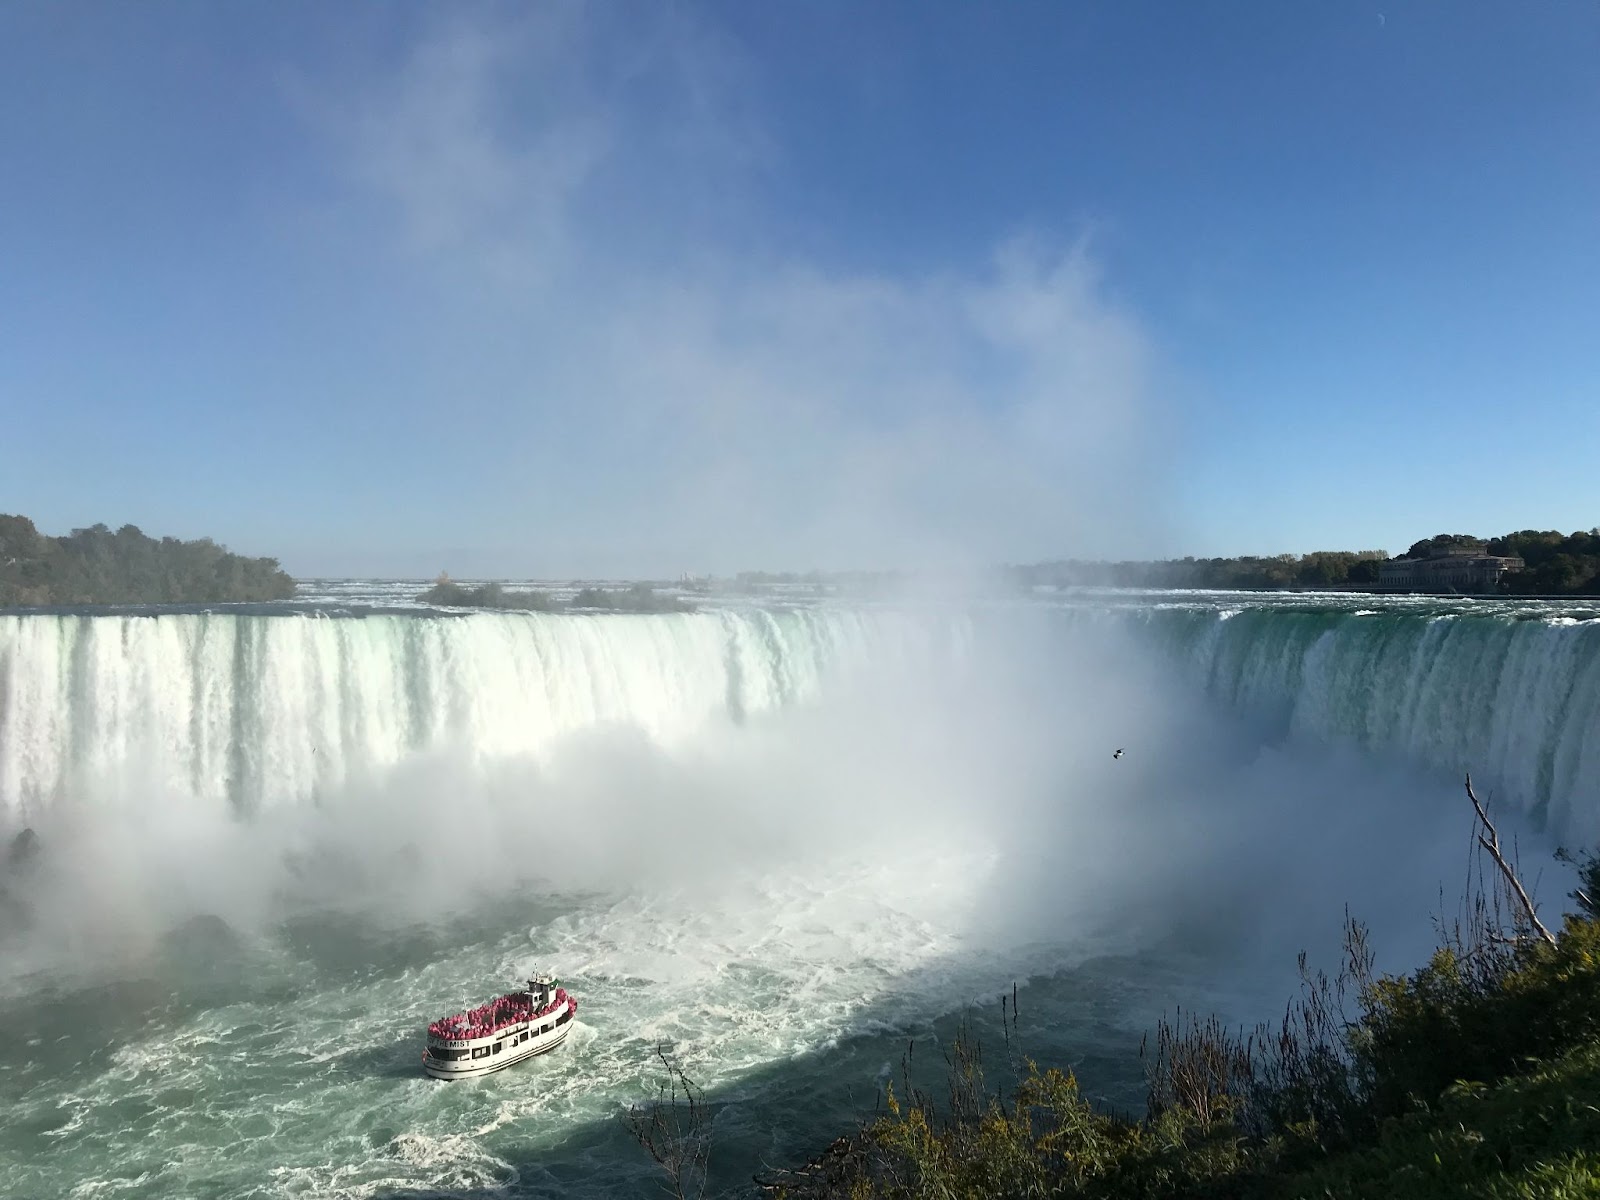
[504,1031]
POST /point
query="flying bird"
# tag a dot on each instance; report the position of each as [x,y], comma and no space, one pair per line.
[1117,754]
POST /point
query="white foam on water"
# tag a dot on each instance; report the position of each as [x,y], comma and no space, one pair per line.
[780,965]
[731,835]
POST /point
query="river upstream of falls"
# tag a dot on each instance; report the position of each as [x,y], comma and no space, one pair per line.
[782,840]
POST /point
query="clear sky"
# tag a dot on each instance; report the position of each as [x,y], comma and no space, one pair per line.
[639,288]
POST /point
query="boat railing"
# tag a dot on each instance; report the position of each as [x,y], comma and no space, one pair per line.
[495,1017]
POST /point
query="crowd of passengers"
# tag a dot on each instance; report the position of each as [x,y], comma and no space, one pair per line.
[488,1019]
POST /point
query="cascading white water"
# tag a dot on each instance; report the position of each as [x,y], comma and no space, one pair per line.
[264,711]
[1511,698]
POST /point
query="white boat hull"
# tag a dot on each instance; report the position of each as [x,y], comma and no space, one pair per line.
[487,1062]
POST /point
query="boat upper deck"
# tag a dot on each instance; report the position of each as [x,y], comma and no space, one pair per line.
[495,1017]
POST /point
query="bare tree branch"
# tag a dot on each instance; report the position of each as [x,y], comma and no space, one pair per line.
[1490,841]
[675,1130]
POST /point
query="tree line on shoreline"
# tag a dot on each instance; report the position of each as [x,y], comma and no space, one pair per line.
[97,566]
[636,598]
[1556,564]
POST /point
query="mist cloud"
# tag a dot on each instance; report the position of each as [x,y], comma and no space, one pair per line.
[659,368]
[979,768]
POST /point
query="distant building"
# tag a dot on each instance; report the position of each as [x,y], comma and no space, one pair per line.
[1459,568]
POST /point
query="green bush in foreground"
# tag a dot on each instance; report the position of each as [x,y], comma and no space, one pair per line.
[1476,1075]
[1447,1084]
[1423,1033]
[1534,1133]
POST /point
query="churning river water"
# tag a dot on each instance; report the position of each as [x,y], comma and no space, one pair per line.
[782,840]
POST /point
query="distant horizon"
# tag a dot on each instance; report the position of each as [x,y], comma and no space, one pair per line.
[830,572]
[629,289]
[911,569]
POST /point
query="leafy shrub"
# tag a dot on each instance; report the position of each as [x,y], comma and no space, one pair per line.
[1477,1074]
[1421,1033]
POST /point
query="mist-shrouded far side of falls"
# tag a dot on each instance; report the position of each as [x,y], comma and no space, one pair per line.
[783,840]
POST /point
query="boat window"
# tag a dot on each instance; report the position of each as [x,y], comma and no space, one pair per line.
[481,1052]
[499,1046]
[564,1017]
[446,1055]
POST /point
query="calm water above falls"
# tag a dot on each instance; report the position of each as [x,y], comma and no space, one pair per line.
[784,840]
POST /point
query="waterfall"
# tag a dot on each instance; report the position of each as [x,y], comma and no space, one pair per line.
[256,711]
[1512,699]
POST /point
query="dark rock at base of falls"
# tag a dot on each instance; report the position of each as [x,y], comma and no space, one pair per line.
[16,915]
[25,849]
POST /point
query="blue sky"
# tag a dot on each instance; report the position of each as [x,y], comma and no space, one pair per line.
[637,289]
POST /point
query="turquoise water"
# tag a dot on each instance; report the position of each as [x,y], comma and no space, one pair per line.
[781,842]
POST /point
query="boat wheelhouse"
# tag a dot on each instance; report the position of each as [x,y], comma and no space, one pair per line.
[504,1031]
